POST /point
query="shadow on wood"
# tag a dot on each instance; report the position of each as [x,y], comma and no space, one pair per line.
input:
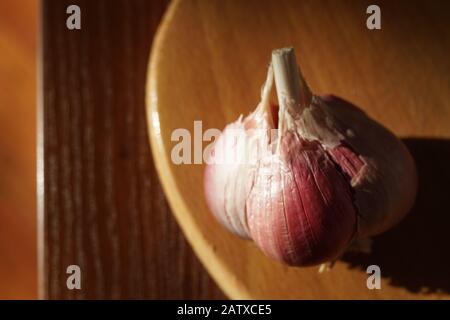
[414,254]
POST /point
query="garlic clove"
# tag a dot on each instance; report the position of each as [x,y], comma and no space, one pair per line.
[300,208]
[385,186]
[229,176]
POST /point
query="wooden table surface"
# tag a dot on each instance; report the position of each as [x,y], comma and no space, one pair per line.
[18,276]
[101,205]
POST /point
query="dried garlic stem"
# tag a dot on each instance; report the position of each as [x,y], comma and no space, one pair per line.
[292,90]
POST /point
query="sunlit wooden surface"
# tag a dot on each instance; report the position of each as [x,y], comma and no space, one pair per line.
[18,269]
[208,63]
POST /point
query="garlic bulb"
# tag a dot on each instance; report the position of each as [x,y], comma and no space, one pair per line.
[306,181]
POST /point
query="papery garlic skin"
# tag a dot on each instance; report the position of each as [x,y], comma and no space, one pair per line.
[385,187]
[233,163]
[331,175]
[227,182]
[300,210]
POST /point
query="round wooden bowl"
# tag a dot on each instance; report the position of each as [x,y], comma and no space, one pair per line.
[208,63]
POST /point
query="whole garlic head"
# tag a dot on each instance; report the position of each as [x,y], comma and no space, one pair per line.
[306,181]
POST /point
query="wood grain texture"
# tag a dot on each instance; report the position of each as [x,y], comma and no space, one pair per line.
[103,208]
[18,267]
[208,63]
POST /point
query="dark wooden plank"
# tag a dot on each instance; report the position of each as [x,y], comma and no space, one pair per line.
[103,207]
